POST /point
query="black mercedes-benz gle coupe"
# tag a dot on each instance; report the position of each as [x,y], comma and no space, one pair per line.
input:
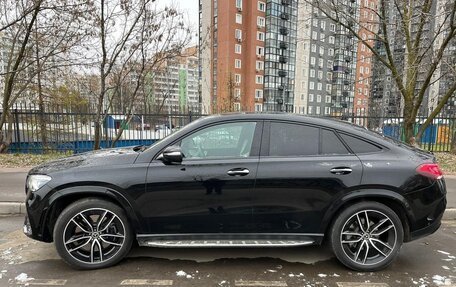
[240,180]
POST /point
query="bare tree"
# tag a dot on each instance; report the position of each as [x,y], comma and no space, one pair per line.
[425,28]
[155,34]
[39,44]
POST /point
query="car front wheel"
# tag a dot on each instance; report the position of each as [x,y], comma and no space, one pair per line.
[92,233]
[367,236]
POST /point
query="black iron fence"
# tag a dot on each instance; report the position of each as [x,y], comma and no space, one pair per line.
[73,130]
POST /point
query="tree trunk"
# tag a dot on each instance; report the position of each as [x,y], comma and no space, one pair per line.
[6,141]
[43,132]
[453,143]
[409,122]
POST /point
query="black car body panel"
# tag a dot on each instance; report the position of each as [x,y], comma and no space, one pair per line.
[278,196]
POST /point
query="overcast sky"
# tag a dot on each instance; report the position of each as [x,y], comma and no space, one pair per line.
[191,8]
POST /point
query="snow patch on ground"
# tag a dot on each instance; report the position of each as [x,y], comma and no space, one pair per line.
[181,273]
[443,252]
[22,278]
[321,275]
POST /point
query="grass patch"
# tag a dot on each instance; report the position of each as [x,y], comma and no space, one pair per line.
[15,160]
[447,162]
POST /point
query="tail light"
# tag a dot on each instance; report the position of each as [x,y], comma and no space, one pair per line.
[431,170]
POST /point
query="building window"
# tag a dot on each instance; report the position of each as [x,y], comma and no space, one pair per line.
[331,40]
[238,48]
[260,36]
[311,98]
[311,85]
[315,22]
[259,65]
[320,75]
[318,98]
[322,37]
[317,110]
[237,63]
[328,89]
[238,18]
[237,107]
[237,93]
[260,21]
[328,99]
[237,78]
[310,110]
[238,4]
[314,35]
[320,62]
[331,52]
[238,34]
[319,87]
[312,61]
[260,51]
[322,50]
[313,48]
[327,110]
[332,27]
[323,25]
[259,79]
[312,73]
[261,6]
[258,94]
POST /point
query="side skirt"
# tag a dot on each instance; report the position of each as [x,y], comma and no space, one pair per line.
[228,240]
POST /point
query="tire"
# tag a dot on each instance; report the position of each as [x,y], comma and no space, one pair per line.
[366,245]
[92,233]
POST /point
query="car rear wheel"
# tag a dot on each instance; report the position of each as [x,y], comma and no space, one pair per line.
[92,233]
[367,236]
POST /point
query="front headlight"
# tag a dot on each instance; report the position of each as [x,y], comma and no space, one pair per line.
[36,181]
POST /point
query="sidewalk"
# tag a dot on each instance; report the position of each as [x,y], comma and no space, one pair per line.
[12,194]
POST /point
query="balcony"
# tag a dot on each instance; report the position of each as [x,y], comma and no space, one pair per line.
[285,16]
[283,45]
[282,73]
[283,31]
[283,59]
[286,2]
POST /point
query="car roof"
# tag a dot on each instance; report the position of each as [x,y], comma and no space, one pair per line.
[331,123]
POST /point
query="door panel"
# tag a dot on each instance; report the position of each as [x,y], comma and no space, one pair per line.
[210,192]
[298,177]
[292,194]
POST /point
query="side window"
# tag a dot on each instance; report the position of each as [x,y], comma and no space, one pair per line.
[224,140]
[331,144]
[293,140]
[359,146]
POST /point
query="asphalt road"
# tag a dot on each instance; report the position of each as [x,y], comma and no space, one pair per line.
[12,183]
[429,261]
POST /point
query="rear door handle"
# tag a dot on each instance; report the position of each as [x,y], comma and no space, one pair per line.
[341,170]
[238,171]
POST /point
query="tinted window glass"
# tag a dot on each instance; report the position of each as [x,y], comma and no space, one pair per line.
[293,140]
[225,140]
[331,144]
[359,146]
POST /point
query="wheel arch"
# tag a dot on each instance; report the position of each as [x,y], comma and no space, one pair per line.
[391,199]
[64,197]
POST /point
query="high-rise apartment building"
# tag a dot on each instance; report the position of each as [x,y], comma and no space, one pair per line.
[386,99]
[367,30]
[232,41]
[273,55]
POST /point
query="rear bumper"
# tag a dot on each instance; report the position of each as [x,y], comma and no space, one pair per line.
[428,207]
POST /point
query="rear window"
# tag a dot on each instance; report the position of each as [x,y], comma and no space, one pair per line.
[358,145]
[293,140]
[331,144]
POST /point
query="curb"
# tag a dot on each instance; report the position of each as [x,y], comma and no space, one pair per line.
[17,208]
[12,208]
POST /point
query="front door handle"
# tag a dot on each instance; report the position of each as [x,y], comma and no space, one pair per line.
[341,170]
[238,171]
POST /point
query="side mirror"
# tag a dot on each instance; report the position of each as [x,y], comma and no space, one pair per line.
[171,154]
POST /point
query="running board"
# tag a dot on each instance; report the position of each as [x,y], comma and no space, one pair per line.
[225,243]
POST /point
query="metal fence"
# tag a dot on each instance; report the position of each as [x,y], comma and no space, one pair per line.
[73,130]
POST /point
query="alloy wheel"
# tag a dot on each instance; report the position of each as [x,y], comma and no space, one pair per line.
[94,235]
[368,237]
